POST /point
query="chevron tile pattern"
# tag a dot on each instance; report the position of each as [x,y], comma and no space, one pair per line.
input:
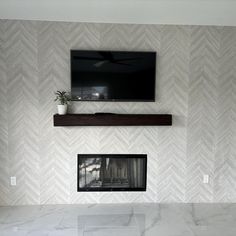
[174,64]
[196,82]
[225,156]
[3,120]
[20,51]
[202,116]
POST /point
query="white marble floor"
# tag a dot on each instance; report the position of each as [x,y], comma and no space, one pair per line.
[119,220]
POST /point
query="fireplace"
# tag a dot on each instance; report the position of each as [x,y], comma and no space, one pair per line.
[112,172]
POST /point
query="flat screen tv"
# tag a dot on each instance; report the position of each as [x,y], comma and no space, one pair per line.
[113,75]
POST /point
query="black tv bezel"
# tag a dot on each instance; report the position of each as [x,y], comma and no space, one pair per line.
[113,100]
[144,156]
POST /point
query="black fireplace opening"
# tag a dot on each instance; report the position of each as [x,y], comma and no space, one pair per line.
[112,172]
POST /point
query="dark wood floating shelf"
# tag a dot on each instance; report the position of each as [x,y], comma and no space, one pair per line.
[113,120]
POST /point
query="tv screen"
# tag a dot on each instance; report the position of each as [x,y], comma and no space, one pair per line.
[113,75]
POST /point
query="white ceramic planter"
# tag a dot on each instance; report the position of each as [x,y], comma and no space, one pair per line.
[62,109]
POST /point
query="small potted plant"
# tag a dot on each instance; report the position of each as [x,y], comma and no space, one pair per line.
[63,98]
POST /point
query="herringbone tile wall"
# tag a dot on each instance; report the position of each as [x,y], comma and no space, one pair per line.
[196,82]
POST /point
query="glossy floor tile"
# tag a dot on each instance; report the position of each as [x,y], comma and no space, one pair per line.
[119,220]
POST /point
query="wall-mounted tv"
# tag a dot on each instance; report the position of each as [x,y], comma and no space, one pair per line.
[113,75]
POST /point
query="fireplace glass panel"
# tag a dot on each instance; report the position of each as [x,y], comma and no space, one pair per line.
[112,172]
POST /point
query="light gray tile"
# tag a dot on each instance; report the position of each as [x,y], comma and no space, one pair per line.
[195,82]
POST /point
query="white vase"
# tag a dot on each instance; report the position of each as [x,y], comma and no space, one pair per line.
[62,109]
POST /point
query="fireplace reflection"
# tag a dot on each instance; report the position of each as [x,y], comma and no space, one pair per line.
[112,224]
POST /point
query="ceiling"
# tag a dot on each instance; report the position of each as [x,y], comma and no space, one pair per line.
[187,12]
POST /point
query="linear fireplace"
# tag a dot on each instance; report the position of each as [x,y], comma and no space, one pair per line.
[112,172]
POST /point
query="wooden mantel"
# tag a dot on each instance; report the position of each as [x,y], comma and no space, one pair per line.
[109,119]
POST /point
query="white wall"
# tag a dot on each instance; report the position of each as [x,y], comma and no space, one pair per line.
[187,12]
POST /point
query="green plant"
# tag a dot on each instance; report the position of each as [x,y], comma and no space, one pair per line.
[62,96]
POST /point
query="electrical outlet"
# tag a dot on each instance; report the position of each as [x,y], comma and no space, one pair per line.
[206,179]
[13,181]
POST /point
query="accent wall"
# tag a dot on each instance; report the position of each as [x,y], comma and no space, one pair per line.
[196,82]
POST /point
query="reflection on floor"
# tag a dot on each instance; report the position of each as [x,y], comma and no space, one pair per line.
[119,220]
